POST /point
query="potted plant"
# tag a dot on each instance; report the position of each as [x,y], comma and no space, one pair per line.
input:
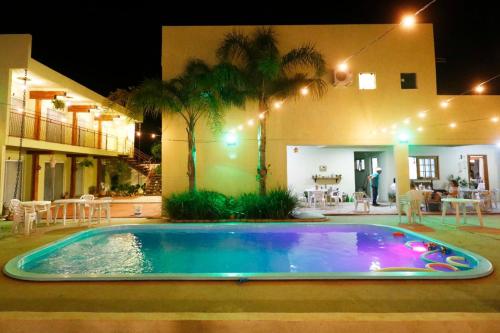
[58,104]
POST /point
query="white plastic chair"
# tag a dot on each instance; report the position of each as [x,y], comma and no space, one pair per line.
[318,196]
[410,203]
[22,215]
[361,198]
[86,204]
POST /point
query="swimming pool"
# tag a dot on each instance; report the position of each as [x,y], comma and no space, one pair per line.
[247,251]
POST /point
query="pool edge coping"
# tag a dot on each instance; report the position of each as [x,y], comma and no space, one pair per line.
[11,268]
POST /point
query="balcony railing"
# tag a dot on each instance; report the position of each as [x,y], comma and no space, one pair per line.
[50,130]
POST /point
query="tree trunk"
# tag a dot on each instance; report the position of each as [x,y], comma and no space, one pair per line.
[261,139]
[191,158]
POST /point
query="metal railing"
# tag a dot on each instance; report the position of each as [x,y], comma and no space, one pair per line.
[50,130]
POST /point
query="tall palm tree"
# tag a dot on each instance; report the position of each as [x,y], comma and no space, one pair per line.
[271,77]
[201,91]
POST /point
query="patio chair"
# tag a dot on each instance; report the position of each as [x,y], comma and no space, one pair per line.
[22,215]
[410,203]
[336,196]
[361,198]
[318,197]
[86,197]
[487,200]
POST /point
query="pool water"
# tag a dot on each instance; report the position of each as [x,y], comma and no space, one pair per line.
[249,251]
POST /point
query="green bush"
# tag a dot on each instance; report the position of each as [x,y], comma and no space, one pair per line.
[209,205]
[276,204]
[198,205]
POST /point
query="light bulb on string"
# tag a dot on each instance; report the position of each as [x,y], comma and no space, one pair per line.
[453,125]
[304,91]
[444,104]
[422,114]
[342,67]
[495,119]
[250,122]
[278,104]
[408,21]
[479,89]
[262,115]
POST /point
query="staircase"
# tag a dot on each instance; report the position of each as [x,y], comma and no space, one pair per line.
[142,162]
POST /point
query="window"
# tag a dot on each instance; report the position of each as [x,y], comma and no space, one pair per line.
[408,80]
[367,81]
[424,167]
[360,165]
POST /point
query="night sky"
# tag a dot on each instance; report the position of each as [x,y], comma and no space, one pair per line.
[106,47]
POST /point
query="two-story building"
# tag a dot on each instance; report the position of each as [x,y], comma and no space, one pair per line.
[54,132]
[387,114]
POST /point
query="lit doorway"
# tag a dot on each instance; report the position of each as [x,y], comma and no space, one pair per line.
[478,170]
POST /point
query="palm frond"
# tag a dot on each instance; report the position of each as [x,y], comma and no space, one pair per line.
[235,49]
[154,97]
[304,58]
[290,87]
[264,42]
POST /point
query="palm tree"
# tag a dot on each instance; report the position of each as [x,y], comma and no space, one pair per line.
[271,77]
[200,91]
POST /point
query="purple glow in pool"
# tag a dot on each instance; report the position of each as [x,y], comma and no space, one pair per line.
[247,251]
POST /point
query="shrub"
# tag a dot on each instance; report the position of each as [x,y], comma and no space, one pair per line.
[209,205]
[276,204]
[202,205]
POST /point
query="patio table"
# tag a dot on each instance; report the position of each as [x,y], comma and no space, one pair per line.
[38,206]
[64,203]
[461,204]
[310,194]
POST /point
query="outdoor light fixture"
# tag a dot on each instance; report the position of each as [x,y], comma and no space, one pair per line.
[494,119]
[453,125]
[231,139]
[138,134]
[278,104]
[262,115]
[250,122]
[304,91]
[422,114]
[444,104]
[343,67]
[408,21]
[403,138]
[479,89]
[153,136]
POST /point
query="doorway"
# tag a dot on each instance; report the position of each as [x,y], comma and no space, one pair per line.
[10,181]
[478,170]
[365,164]
[53,182]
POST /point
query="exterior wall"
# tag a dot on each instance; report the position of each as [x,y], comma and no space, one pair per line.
[345,116]
[14,59]
[18,55]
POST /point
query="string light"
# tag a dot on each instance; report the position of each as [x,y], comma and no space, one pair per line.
[479,89]
[262,115]
[422,114]
[250,122]
[304,91]
[444,104]
[453,125]
[495,119]
[138,134]
[278,104]
[153,136]
[409,21]
[343,67]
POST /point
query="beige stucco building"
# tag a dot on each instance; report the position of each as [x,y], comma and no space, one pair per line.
[54,140]
[348,124]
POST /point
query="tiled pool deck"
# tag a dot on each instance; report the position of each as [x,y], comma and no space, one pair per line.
[478,300]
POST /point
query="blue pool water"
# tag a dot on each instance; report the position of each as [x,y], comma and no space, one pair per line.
[253,251]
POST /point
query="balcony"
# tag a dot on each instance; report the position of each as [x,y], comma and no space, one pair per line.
[50,130]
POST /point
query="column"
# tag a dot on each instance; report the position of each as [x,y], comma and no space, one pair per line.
[35,172]
[402,168]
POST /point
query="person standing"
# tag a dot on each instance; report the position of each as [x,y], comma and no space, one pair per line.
[374,183]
